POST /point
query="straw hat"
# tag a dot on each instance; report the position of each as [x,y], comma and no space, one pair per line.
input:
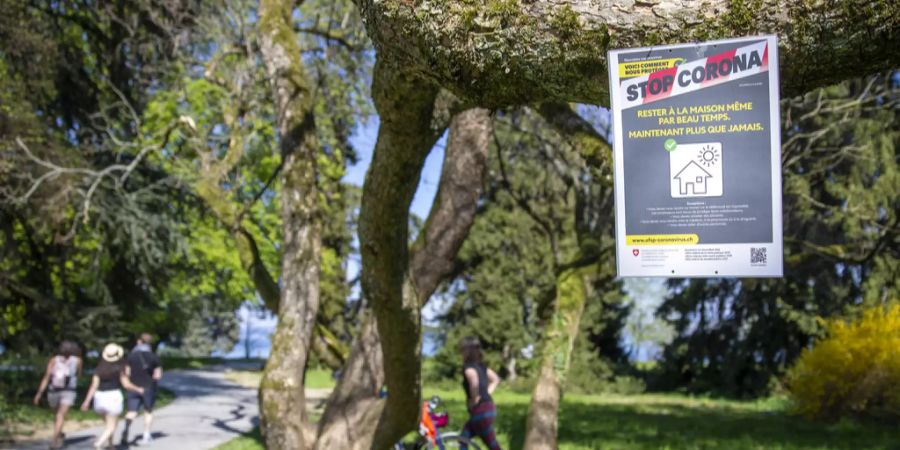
[112,352]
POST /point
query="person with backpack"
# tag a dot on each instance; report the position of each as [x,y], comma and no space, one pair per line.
[144,369]
[479,382]
[61,376]
[106,391]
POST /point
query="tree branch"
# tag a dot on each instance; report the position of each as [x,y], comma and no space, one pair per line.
[331,35]
[527,52]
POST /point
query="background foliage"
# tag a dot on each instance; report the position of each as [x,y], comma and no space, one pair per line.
[854,372]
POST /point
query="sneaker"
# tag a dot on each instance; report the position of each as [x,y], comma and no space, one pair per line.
[146,439]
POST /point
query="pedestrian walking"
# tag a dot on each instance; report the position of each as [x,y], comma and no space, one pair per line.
[144,369]
[60,380]
[106,392]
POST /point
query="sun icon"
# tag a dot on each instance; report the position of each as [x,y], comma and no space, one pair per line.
[708,156]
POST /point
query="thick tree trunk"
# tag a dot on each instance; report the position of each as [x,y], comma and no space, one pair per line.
[572,288]
[499,53]
[282,402]
[355,403]
[405,105]
[354,408]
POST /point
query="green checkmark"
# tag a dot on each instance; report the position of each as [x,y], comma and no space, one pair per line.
[670,144]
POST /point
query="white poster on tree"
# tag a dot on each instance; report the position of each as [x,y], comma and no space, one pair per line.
[697,151]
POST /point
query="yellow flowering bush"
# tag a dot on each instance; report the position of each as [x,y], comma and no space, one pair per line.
[855,371]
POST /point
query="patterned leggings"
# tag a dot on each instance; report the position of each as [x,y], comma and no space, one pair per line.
[481,423]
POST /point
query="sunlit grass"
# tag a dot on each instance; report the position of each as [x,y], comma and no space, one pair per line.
[249,441]
[315,378]
[662,421]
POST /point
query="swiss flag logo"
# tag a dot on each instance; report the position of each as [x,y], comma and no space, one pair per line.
[635,252]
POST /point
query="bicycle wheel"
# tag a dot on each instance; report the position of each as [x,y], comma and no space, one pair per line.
[452,440]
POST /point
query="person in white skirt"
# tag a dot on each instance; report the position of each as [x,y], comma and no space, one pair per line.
[106,391]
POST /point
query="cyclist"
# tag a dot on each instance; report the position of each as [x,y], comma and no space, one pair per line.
[479,383]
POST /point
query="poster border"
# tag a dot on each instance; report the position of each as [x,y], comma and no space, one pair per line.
[776,269]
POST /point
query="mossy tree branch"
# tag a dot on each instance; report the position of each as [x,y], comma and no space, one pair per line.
[513,52]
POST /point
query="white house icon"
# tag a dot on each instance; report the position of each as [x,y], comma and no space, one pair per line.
[692,178]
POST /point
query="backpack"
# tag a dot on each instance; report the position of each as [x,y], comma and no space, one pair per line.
[62,370]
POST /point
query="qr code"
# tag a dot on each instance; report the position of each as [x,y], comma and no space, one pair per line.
[758,255]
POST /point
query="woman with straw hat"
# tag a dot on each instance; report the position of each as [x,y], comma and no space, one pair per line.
[106,391]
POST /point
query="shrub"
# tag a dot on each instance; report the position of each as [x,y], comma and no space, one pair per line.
[854,372]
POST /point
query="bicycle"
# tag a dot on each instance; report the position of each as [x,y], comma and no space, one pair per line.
[430,422]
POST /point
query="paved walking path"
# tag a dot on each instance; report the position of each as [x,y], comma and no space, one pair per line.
[208,410]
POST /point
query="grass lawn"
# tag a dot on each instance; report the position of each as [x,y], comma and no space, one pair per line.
[249,441]
[315,378]
[651,421]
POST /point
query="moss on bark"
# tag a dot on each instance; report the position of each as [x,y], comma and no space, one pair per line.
[512,52]
[282,401]
[405,104]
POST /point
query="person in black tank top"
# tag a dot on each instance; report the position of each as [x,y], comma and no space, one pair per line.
[479,383]
[482,384]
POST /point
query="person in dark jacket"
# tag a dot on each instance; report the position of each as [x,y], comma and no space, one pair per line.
[144,369]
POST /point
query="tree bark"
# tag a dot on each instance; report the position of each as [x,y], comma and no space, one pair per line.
[405,105]
[572,289]
[499,53]
[353,409]
[456,202]
[282,400]
[355,400]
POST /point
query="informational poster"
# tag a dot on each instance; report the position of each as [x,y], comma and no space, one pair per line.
[697,151]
